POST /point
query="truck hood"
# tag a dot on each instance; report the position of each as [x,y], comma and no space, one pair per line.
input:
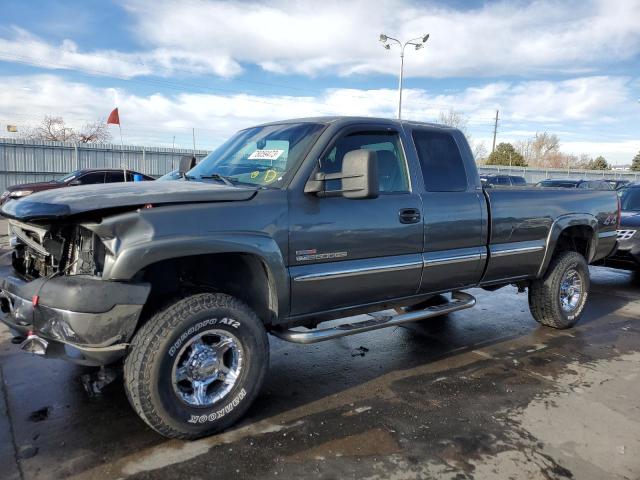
[630,219]
[63,202]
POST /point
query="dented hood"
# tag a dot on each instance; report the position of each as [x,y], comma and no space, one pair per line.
[63,202]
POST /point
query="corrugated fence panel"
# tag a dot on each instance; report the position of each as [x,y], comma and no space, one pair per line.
[23,161]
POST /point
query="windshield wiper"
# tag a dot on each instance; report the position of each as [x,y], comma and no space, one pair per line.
[222,178]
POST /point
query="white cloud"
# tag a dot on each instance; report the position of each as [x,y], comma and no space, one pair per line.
[341,37]
[24,47]
[154,119]
[338,37]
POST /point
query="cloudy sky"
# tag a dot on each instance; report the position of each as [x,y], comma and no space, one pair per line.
[566,67]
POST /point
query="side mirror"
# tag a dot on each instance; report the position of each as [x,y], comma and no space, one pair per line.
[359,177]
[187,162]
[360,174]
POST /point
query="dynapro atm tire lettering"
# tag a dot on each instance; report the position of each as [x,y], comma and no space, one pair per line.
[199,326]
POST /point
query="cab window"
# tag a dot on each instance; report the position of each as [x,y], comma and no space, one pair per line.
[442,166]
[392,170]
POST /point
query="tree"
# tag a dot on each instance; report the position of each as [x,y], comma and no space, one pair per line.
[54,129]
[479,151]
[543,150]
[94,132]
[452,118]
[635,163]
[598,163]
[506,154]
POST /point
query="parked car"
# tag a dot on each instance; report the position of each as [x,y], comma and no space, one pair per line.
[496,180]
[286,225]
[617,184]
[79,177]
[566,183]
[627,255]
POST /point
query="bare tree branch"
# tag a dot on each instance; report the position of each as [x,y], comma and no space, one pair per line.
[54,129]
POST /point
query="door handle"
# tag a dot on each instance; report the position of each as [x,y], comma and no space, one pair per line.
[409,215]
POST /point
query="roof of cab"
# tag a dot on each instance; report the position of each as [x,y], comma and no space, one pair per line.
[346,120]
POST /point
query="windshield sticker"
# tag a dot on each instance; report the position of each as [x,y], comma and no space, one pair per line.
[270,175]
[266,155]
[255,174]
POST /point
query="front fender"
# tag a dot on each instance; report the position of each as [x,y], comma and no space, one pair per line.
[135,257]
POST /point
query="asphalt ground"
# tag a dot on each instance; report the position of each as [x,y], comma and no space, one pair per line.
[481,393]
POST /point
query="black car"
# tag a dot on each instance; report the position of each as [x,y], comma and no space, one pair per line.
[627,256]
[568,183]
[503,181]
[89,176]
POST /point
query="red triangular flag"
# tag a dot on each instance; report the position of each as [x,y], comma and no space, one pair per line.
[114,117]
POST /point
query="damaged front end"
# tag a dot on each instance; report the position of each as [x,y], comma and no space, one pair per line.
[54,292]
[48,250]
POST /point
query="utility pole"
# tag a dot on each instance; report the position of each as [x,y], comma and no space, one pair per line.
[495,132]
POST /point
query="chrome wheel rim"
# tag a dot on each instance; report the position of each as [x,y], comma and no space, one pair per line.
[207,368]
[570,290]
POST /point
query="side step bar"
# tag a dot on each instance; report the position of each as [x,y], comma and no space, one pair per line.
[459,301]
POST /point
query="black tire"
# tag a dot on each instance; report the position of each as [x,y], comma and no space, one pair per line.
[545,293]
[158,347]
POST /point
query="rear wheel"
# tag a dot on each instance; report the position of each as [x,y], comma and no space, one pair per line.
[558,299]
[195,367]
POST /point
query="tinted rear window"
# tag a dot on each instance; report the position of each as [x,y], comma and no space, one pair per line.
[441,162]
[518,181]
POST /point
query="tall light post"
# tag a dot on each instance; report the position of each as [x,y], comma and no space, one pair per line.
[417,42]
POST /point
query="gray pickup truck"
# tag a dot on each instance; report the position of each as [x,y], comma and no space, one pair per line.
[283,227]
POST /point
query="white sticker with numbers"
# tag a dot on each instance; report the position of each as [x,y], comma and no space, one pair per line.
[266,154]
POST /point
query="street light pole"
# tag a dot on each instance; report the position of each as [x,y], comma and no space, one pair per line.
[387,42]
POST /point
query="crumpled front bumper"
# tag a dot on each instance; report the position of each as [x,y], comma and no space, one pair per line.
[84,319]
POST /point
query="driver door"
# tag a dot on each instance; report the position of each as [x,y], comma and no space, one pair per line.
[346,252]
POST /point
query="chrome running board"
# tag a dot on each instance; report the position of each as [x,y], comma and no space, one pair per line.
[459,301]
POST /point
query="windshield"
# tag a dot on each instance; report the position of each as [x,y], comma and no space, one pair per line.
[172,175]
[630,199]
[262,156]
[67,177]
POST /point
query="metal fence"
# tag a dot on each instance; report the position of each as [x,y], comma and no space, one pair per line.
[23,161]
[535,175]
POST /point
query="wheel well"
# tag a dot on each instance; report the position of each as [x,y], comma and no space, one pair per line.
[577,238]
[243,276]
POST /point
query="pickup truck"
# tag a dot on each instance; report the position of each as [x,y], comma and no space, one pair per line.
[283,227]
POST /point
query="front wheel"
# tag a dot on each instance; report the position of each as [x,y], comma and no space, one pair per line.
[194,368]
[558,299]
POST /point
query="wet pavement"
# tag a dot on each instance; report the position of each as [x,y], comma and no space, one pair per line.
[482,393]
